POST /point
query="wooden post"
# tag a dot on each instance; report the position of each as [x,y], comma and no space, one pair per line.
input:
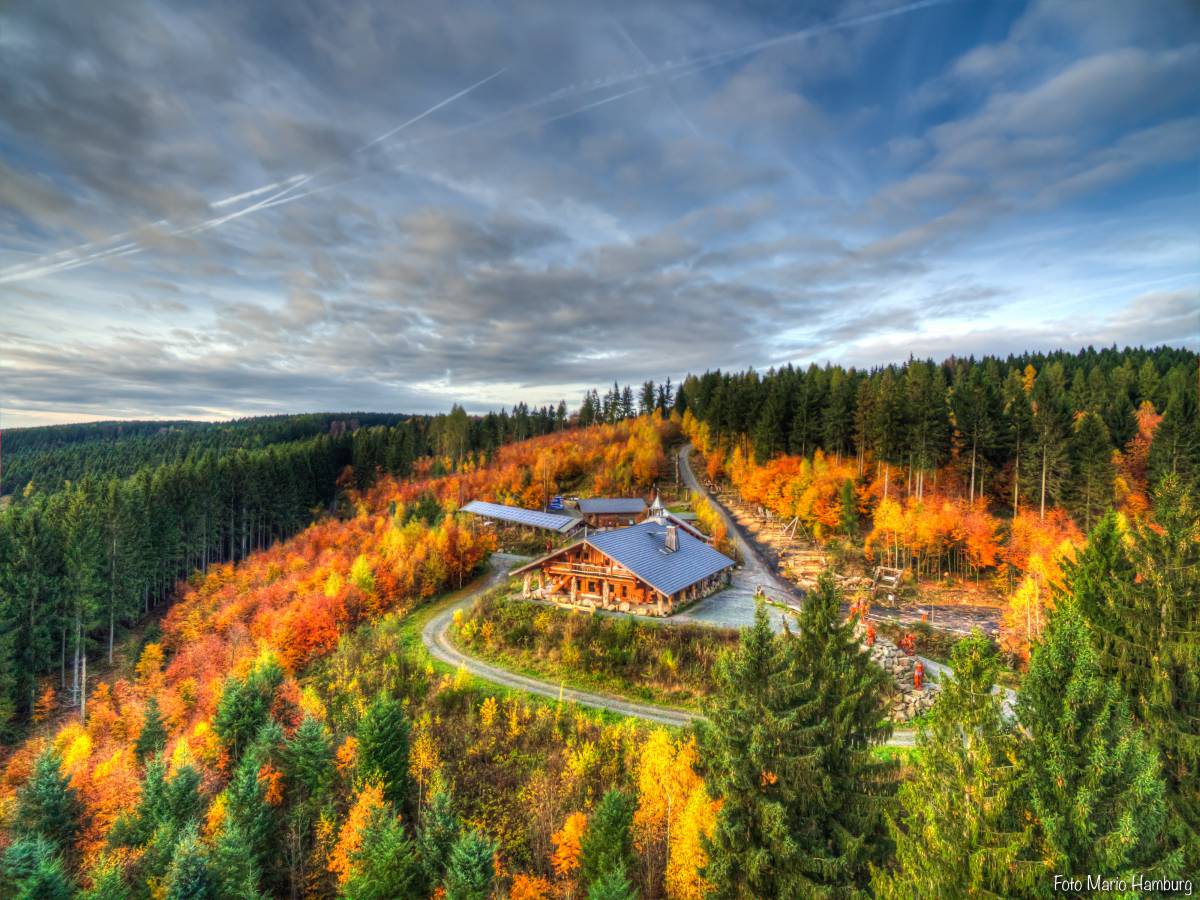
[528,579]
[604,593]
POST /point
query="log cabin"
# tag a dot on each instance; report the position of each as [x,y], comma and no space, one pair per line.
[611,512]
[652,568]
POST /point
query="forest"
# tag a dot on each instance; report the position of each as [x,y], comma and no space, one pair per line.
[86,552]
[275,727]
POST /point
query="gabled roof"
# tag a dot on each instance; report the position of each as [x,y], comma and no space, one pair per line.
[633,506]
[642,549]
[521,516]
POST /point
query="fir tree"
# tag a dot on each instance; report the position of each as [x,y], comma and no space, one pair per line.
[471,871]
[106,881]
[1092,781]
[959,832]
[47,804]
[1139,592]
[33,870]
[607,844]
[383,748]
[153,736]
[189,877]
[237,873]
[436,836]
[613,885]
[386,865]
[789,745]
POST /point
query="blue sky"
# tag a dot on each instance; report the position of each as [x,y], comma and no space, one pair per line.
[222,209]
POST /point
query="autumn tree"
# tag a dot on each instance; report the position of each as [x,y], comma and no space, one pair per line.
[959,830]
[1092,782]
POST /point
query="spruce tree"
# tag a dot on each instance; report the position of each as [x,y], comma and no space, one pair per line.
[959,832]
[613,885]
[33,870]
[188,877]
[386,865]
[607,844]
[789,743]
[47,804]
[106,881]
[153,736]
[436,836]
[236,871]
[383,748]
[471,871]
[1091,780]
[1137,587]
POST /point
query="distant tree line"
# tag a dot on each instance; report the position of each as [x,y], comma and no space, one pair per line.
[82,563]
[619,402]
[1035,427]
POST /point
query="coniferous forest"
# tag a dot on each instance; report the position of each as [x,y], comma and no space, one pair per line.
[214,681]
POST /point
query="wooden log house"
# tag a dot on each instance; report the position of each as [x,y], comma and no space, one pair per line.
[652,568]
[611,512]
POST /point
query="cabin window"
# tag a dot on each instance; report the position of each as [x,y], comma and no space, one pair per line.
[592,586]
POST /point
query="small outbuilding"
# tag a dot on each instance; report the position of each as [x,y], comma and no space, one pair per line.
[528,518]
[611,512]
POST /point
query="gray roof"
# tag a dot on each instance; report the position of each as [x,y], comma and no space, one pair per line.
[642,549]
[613,505]
[521,516]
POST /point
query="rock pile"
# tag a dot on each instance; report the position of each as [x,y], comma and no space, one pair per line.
[908,702]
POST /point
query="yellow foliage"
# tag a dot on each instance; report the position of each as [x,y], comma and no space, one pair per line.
[686,855]
[666,778]
[487,713]
[214,821]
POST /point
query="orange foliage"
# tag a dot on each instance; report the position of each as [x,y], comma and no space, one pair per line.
[367,805]
[1132,489]
[530,887]
[1036,550]
[937,535]
[567,845]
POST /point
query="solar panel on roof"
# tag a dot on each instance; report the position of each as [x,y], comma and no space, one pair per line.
[521,516]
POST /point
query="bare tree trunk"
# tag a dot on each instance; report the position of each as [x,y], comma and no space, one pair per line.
[972,492]
[1042,514]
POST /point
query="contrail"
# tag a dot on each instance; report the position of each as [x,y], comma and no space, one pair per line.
[51,263]
[680,68]
[666,90]
[430,111]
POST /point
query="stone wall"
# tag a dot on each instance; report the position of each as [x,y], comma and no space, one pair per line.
[907,702]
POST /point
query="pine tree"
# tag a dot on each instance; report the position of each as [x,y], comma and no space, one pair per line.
[47,805]
[1139,592]
[383,736]
[1176,446]
[607,844]
[471,871]
[789,742]
[236,871]
[1092,781]
[106,880]
[959,832]
[613,885]
[153,736]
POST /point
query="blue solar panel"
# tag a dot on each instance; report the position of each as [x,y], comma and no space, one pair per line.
[521,516]
[642,549]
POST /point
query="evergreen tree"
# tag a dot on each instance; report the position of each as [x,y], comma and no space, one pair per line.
[1092,476]
[436,837]
[1139,592]
[612,885]
[189,877]
[959,832]
[248,810]
[471,871]
[386,865]
[848,512]
[1092,781]
[106,881]
[47,805]
[33,870]
[789,742]
[607,844]
[383,736]
[152,739]
[245,706]
[1176,446]
[236,871]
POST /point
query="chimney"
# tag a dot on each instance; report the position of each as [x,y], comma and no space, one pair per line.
[672,538]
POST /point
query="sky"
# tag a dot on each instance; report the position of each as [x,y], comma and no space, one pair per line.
[222,209]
